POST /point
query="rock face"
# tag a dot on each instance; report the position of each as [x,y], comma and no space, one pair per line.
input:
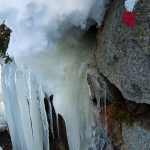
[123,58]
[135,137]
[123,54]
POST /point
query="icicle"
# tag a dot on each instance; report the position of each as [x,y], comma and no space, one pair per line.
[3,121]
[30,82]
[99,89]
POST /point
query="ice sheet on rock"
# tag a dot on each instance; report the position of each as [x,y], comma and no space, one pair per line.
[99,139]
[47,21]
[99,88]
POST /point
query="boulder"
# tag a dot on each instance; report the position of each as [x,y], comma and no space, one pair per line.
[123,54]
[135,137]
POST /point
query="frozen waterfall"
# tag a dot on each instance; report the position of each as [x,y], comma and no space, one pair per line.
[50,52]
[61,73]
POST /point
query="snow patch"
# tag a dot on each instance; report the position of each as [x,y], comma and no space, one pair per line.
[47,22]
[129,4]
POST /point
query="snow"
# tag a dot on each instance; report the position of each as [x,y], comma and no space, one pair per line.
[129,4]
[47,21]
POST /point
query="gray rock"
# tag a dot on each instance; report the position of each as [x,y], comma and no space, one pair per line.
[145,122]
[123,54]
[135,137]
[143,109]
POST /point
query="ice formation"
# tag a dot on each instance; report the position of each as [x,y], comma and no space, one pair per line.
[3,121]
[50,56]
[59,73]
[47,22]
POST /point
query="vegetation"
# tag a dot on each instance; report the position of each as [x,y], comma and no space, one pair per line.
[4,42]
[119,111]
[112,117]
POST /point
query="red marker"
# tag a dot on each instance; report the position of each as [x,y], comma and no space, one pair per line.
[129,17]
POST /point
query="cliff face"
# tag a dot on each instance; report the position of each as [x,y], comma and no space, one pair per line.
[123,59]
[123,54]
